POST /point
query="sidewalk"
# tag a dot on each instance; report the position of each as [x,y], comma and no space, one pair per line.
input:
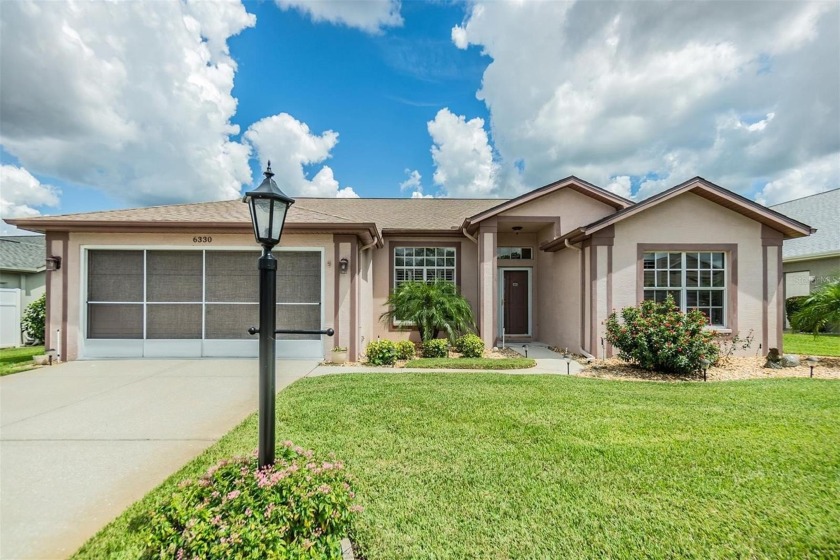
[548,363]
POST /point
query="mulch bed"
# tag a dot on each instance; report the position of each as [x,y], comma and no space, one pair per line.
[731,369]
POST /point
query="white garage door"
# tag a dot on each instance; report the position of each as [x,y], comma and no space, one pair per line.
[194,303]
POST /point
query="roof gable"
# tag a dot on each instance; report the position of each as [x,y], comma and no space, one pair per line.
[789,227]
[570,182]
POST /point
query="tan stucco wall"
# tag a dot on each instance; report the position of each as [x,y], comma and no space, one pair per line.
[557,307]
[71,271]
[573,208]
[381,280]
[691,219]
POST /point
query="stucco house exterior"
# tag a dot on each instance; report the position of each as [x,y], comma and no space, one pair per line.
[549,266]
[810,262]
[22,281]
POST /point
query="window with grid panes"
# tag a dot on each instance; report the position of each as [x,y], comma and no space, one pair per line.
[423,264]
[696,280]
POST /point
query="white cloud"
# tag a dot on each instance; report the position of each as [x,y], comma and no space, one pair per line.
[368,15]
[802,181]
[620,186]
[462,155]
[414,183]
[605,90]
[20,196]
[290,146]
[133,98]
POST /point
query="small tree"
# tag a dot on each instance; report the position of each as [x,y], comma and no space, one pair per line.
[431,308]
[658,336]
[34,318]
[820,310]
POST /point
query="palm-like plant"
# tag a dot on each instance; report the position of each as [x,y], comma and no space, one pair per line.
[431,307]
[820,310]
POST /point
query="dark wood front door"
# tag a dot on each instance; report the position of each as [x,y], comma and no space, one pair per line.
[516,304]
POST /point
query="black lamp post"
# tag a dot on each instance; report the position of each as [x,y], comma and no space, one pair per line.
[268,206]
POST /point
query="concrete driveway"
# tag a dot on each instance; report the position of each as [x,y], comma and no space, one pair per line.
[80,442]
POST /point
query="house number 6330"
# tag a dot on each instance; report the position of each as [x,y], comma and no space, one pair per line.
[203,239]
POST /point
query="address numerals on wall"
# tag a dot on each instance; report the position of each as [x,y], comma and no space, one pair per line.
[203,239]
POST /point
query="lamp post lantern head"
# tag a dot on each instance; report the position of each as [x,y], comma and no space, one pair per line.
[268,205]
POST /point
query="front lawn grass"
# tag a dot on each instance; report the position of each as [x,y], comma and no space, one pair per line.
[471,363]
[499,466]
[14,360]
[823,344]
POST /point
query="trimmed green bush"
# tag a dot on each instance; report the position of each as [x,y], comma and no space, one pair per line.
[470,346]
[405,350]
[793,304]
[297,508]
[430,307]
[437,348]
[382,352]
[35,318]
[659,337]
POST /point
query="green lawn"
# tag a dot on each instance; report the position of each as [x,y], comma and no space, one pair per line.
[498,466]
[821,345]
[471,363]
[13,360]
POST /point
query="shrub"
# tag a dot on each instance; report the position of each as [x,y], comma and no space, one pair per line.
[437,348]
[297,508]
[820,311]
[658,336]
[405,350]
[430,307]
[382,353]
[470,346]
[35,317]
[792,305]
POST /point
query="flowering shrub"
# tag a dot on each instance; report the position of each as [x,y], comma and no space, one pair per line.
[470,346]
[297,508]
[405,350]
[381,353]
[436,348]
[658,336]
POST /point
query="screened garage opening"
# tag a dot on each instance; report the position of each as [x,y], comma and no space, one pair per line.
[195,303]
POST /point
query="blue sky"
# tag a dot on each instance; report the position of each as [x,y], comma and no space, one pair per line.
[133,104]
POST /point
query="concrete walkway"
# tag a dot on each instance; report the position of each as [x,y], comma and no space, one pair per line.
[80,442]
[548,362]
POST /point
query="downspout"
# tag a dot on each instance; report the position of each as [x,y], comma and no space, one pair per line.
[570,246]
[366,247]
[468,236]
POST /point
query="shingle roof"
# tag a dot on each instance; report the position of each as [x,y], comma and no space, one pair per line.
[821,211]
[386,213]
[22,252]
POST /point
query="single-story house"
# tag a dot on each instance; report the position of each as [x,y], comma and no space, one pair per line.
[549,266]
[22,281]
[810,262]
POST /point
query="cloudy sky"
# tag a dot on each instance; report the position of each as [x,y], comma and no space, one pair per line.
[110,105]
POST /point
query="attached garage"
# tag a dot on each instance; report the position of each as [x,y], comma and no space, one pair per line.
[193,302]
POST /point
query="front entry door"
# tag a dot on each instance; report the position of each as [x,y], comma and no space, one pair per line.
[516,304]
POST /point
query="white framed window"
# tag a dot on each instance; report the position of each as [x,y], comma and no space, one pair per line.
[514,253]
[695,279]
[424,264]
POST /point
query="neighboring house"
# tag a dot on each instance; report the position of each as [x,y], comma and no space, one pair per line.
[549,265]
[22,281]
[810,262]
